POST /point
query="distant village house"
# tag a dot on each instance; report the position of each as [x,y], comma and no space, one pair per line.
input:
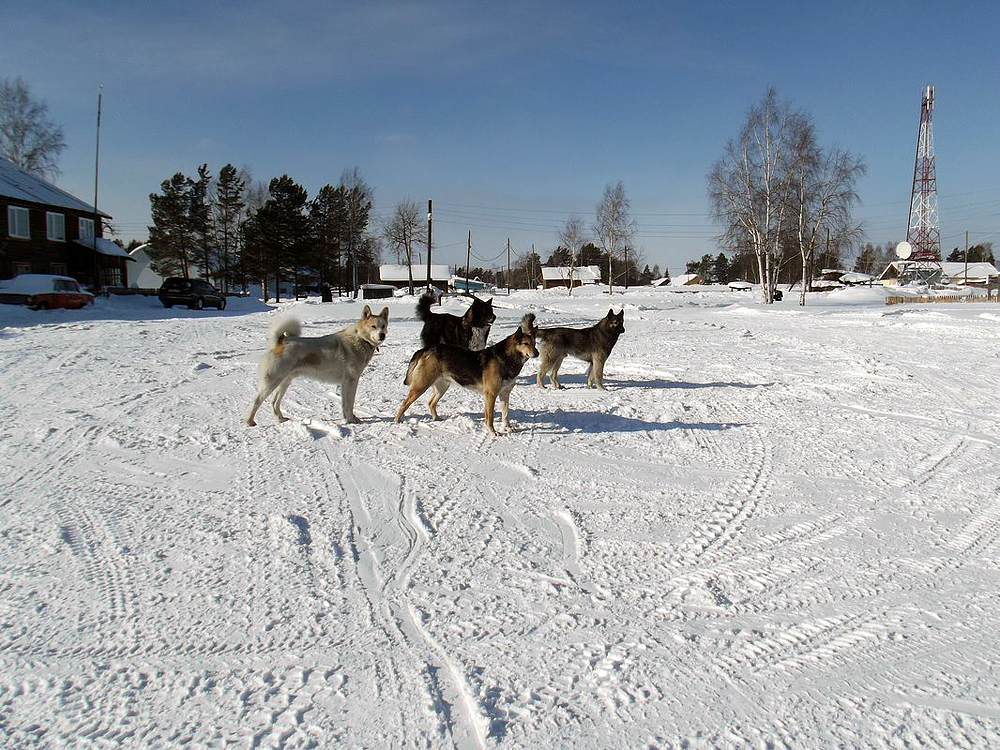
[399,276]
[557,276]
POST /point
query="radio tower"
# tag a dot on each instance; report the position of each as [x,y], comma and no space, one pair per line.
[923,233]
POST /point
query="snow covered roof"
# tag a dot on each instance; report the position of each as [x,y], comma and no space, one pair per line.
[580,273]
[980,271]
[686,279]
[23,186]
[400,273]
[855,277]
[105,247]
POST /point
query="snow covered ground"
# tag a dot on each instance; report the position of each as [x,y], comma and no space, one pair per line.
[779,527]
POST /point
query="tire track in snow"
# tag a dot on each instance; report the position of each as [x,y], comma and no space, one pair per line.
[728,517]
[571,553]
[388,595]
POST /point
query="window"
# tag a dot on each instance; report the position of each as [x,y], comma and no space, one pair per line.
[20,268]
[59,269]
[17,222]
[86,229]
[55,226]
[111,277]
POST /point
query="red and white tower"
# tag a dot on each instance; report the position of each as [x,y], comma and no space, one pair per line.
[923,233]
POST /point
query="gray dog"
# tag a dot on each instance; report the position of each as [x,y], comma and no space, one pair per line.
[337,358]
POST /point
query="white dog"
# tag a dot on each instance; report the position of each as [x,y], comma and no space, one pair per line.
[337,358]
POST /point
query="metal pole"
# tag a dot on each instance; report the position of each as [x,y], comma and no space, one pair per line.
[430,217]
[97,216]
[468,253]
[508,266]
[966,280]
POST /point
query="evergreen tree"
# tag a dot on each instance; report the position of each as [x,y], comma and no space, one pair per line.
[328,215]
[559,258]
[200,216]
[229,207]
[982,253]
[722,269]
[171,239]
[590,255]
[279,232]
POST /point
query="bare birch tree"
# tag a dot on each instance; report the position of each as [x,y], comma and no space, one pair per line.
[749,186]
[613,226]
[404,228]
[571,237]
[822,197]
[28,137]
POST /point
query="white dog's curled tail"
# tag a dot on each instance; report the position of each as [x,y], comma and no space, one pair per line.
[284,326]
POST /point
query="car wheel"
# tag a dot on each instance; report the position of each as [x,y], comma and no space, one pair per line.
[222,304]
[197,304]
[41,306]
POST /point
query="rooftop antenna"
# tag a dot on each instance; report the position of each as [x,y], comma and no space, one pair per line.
[923,236]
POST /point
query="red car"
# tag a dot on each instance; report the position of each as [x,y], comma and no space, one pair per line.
[41,291]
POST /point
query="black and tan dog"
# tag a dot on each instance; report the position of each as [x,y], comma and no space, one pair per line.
[593,345]
[491,371]
[469,331]
[339,357]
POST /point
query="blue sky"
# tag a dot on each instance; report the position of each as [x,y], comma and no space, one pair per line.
[513,116]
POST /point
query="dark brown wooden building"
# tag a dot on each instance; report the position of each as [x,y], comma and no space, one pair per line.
[44,229]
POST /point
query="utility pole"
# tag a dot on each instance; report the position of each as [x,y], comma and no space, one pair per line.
[430,215]
[966,280]
[97,216]
[508,266]
[468,253]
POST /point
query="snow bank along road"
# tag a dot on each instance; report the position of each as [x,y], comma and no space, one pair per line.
[779,528]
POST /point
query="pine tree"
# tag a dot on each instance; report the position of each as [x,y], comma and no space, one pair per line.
[229,207]
[328,216]
[201,221]
[279,233]
[171,239]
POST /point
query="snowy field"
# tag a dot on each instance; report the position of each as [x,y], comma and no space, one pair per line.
[779,527]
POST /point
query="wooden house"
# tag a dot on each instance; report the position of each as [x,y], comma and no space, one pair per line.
[556,276]
[44,229]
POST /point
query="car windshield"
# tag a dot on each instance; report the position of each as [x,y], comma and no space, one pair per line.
[177,284]
[65,285]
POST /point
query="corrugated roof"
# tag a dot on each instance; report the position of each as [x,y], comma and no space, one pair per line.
[23,186]
[580,273]
[390,272]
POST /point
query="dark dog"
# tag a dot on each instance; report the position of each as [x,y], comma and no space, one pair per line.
[593,345]
[491,371]
[469,331]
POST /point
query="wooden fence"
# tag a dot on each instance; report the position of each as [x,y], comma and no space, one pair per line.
[948,298]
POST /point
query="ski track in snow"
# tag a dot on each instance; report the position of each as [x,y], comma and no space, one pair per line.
[778,527]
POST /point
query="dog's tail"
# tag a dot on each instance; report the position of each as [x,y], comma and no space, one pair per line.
[282,327]
[413,363]
[424,305]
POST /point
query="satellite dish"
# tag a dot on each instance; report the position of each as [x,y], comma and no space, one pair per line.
[904,250]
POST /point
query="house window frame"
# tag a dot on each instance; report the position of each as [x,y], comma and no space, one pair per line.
[112,276]
[55,226]
[59,269]
[86,228]
[15,216]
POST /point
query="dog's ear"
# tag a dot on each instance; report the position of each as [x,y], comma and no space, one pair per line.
[367,312]
[384,313]
[611,313]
